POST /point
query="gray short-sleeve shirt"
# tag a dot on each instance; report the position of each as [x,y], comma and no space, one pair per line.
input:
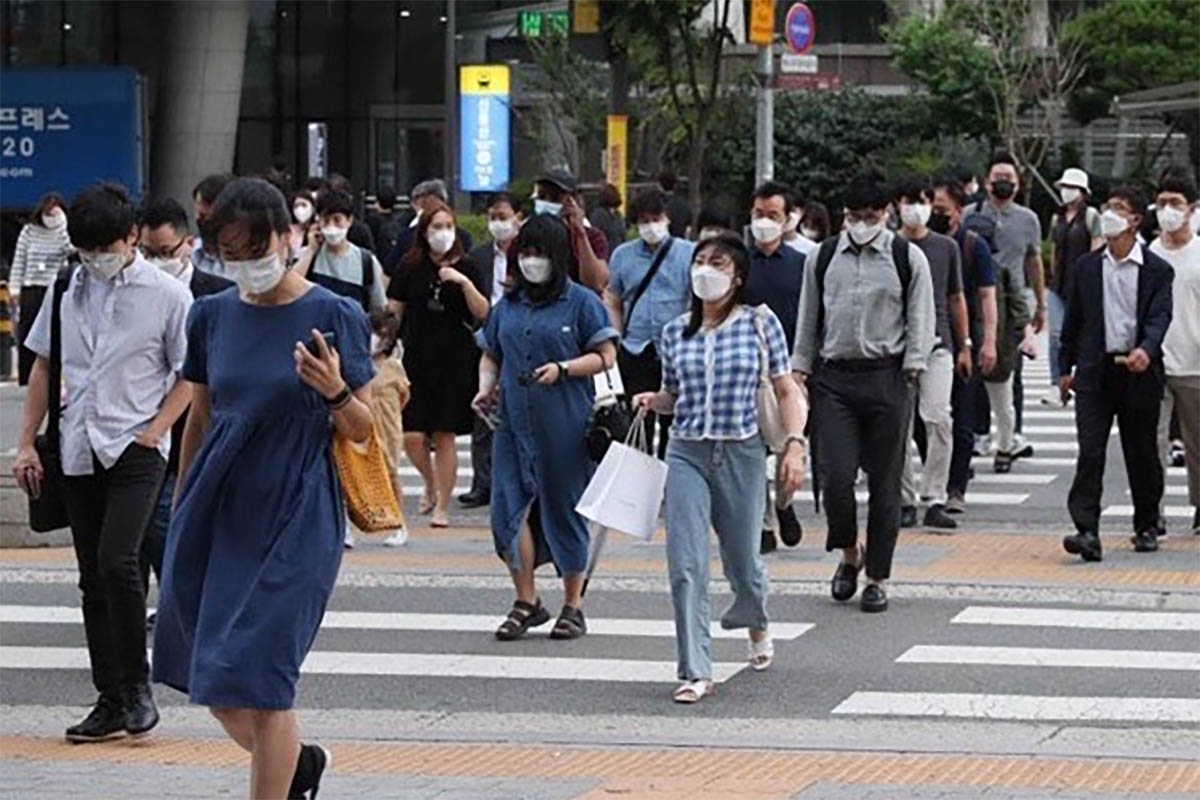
[1018,236]
[945,270]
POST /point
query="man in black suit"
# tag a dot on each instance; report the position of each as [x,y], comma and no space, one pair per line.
[1118,312]
[491,261]
[167,244]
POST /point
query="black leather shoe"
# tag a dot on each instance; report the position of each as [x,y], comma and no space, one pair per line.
[107,721]
[141,715]
[1145,541]
[874,599]
[1196,522]
[314,760]
[473,500]
[769,545]
[845,582]
[908,516]
[790,530]
[936,517]
[1085,544]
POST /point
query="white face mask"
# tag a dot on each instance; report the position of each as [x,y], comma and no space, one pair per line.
[172,266]
[440,240]
[502,229]
[541,206]
[915,215]
[333,234]
[1070,194]
[1171,219]
[809,233]
[302,212]
[862,233]
[54,219]
[653,232]
[710,284]
[536,269]
[257,275]
[765,230]
[1112,224]
[103,265]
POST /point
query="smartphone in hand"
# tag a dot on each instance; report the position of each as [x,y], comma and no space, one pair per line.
[330,341]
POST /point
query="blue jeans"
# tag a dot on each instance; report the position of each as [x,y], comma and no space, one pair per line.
[1056,308]
[717,485]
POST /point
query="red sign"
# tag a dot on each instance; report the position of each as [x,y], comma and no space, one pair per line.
[800,28]
[819,83]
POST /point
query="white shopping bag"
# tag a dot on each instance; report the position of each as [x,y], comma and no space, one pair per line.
[608,383]
[626,491]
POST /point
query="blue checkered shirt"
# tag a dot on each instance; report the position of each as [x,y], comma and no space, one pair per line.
[714,375]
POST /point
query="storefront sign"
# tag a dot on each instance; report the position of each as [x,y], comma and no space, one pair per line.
[616,152]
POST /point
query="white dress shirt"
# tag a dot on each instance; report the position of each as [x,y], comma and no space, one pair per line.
[499,273]
[1120,299]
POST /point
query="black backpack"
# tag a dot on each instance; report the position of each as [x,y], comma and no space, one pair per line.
[981,225]
[390,228]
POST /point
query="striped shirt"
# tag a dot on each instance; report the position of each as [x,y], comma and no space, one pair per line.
[40,254]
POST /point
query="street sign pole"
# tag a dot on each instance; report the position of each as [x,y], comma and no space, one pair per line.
[764,125]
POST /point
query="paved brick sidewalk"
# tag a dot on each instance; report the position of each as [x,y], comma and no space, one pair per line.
[1001,559]
[210,767]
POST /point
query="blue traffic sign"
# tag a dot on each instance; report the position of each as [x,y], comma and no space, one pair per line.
[800,28]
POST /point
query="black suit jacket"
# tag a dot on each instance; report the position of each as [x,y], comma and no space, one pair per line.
[484,258]
[205,283]
[1083,342]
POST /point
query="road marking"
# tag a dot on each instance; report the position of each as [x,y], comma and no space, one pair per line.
[1059,430]
[1036,479]
[388,621]
[1182,512]
[435,665]
[1021,707]
[1052,657]
[1055,415]
[977,498]
[1035,461]
[1079,618]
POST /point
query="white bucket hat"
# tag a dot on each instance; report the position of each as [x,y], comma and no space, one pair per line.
[1073,176]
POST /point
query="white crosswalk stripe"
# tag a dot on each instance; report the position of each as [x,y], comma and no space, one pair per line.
[1027,708]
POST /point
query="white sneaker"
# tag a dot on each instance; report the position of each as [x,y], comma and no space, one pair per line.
[397,539]
[1052,397]
[349,542]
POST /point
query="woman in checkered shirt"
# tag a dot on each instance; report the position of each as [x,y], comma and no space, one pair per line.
[712,365]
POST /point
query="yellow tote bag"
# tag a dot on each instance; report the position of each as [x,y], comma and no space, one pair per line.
[371,501]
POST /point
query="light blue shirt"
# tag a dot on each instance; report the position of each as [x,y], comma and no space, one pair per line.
[123,342]
[205,262]
[667,296]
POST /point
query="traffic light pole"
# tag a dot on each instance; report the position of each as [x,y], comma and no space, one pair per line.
[764,118]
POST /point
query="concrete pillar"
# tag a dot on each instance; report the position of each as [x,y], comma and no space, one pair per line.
[199,94]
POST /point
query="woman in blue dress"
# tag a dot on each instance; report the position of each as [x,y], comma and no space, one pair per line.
[542,344]
[256,539]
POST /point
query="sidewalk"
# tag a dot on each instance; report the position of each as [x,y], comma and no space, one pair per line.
[210,767]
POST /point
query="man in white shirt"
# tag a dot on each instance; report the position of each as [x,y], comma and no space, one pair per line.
[1180,247]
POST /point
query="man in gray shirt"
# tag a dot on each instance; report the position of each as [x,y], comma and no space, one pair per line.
[864,334]
[951,348]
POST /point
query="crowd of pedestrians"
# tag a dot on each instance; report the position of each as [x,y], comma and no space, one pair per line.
[206,373]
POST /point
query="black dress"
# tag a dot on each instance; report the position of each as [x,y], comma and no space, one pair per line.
[440,355]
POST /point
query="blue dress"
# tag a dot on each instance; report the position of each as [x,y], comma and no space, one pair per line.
[256,541]
[538,451]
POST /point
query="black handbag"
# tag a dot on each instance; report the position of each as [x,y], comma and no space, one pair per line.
[48,511]
[608,422]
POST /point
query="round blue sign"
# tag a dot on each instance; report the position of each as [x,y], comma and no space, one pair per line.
[800,28]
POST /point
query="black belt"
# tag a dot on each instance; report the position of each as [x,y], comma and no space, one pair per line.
[863,364]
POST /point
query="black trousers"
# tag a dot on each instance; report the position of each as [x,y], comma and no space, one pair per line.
[108,511]
[1018,394]
[481,459]
[962,408]
[862,419]
[31,304]
[643,373]
[1133,400]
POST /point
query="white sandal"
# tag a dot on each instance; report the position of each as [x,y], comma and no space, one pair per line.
[692,691]
[762,653]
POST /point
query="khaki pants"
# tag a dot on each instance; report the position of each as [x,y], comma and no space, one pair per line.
[1183,395]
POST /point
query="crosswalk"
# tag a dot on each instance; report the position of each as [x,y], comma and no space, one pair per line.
[1013,664]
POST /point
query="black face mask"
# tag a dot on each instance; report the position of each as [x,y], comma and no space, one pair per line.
[939,222]
[1002,190]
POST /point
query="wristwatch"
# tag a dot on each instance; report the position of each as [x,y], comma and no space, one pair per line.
[967,344]
[795,437]
[563,371]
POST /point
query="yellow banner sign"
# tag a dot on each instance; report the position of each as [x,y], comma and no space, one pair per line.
[615,154]
[762,21]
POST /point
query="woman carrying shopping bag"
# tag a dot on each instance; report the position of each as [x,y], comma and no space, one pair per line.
[542,344]
[713,359]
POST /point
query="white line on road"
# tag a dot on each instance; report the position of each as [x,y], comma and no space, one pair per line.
[1051,657]
[977,498]
[1035,461]
[434,665]
[1079,618]
[1021,707]
[1182,512]
[1035,479]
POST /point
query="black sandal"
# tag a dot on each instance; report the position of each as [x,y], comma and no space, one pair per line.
[1003,463]
[521,618]
[570,625]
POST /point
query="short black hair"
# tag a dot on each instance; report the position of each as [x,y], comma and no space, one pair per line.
[256,203]
[385,196]
[713,217]
[335,202]
[211,186]
[339,183]
[99,216]
[1133,195]
[503,197]
[667,180]
[774,189]
[912,188]
[1178,184]
[546,236]
[1002,157]
[314,184]
[961,173]
[159,211]
[866,190]
[648,201]
[953,189]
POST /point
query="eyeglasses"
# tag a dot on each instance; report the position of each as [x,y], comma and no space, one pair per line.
[871,217]
[162,252]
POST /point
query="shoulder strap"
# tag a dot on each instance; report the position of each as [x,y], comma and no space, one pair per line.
[659,257]
[54,385]
[368,268]
[900,256]
[824,256]
[970,242]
